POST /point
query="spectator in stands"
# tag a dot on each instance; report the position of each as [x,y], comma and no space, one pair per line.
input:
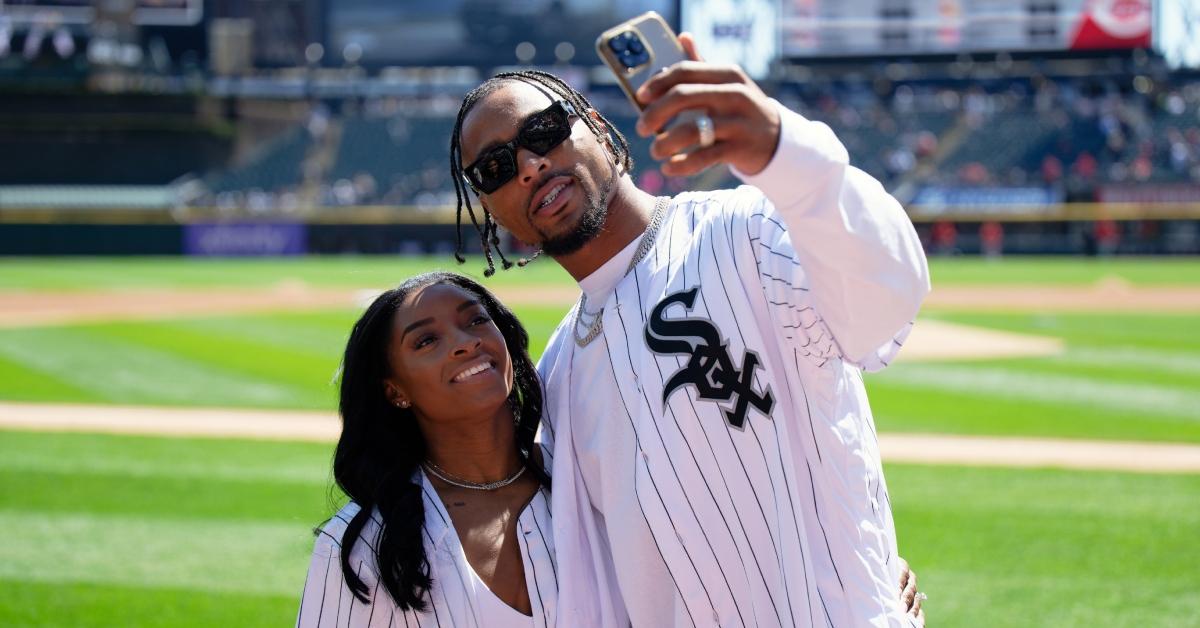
[945,238]
[991,239]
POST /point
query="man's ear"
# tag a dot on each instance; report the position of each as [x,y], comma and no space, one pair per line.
[606,138]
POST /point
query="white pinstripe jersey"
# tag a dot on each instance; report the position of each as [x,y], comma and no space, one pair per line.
[724,464]
[457,597]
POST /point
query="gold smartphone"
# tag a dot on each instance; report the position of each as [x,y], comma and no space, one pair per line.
[637,50]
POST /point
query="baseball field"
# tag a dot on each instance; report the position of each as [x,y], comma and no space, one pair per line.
[1042,433]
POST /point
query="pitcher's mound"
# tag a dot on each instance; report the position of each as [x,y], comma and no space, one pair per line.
[933,340]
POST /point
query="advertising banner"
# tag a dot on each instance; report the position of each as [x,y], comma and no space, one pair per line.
[932,200]
[1162,193]
[245,239]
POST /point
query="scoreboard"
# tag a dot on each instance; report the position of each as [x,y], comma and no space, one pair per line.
[820,28]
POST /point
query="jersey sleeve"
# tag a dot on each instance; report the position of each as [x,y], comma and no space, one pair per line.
[545,368]
[327,602]
[856,259]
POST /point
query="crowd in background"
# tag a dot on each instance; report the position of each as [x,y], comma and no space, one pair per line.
[1069,136]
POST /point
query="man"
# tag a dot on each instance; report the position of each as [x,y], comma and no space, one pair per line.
[715,460]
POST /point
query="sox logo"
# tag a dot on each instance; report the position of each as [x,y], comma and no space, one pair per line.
[710,368]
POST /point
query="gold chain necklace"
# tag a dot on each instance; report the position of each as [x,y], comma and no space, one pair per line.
[597,324]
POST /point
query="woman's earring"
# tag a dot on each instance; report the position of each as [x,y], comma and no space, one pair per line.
[403,403]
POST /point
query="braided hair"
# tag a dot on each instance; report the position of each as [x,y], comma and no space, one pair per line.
[489,237]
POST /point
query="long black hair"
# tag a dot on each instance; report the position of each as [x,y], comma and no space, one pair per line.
[381,447]
[489,237]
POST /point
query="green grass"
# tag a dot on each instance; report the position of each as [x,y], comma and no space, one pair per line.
[1122,376]
[1065,270]
[131,531]
[265,361]
[41,604]
[996,547]
[137,531]
[106,273]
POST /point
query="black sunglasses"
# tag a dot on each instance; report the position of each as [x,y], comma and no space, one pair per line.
[540,133]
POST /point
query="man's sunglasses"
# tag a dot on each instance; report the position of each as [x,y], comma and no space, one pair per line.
[540,133]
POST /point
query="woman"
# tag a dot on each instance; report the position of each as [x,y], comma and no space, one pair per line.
[448,522]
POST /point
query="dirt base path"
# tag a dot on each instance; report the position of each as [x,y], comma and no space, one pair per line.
[933,340]
[32,309]
[1109,296]
[323,427]
[24,309]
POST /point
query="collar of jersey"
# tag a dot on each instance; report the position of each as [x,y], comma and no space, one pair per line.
[598,285]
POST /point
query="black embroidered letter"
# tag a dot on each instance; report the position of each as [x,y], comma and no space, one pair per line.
[710,368]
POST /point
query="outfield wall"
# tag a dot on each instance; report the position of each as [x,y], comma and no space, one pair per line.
[1072,229]
[231,239]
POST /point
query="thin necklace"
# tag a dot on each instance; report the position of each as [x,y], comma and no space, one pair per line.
[597,324]
[449,478]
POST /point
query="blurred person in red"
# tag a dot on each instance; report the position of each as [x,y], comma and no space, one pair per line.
[991,239]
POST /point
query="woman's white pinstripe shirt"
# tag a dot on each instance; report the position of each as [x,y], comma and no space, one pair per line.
[454,599]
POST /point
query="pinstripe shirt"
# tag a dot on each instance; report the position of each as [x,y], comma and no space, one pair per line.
[457,597]
[725,469]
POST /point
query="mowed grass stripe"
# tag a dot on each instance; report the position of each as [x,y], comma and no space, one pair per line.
[1001,547]
[147,364]
[151,497]
[385,271]
[321,334]
[20,382]
[126,458]
[272,361]
[166,477]
[182,272]
[1173,333]
[307,373]
[1122,376]
[38,604]
[1077,548]
[1135,361]
[1117,365]
[217,555]
[1048,387]
[1174,270]
[898,406]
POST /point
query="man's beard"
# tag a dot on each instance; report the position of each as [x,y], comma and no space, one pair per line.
[591,223]
[589,226]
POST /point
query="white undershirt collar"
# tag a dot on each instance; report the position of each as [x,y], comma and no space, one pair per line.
[601,281]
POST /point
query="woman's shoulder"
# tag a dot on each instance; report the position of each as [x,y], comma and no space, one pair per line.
[330,534]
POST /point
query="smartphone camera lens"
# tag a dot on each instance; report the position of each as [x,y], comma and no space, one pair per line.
[629,49]
[620,43]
